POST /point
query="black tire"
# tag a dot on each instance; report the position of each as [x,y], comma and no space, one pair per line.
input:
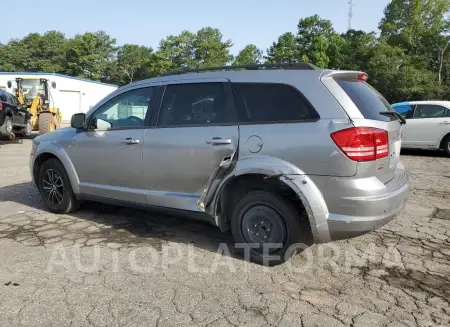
[6,128]
[291,220]
[26,131]
[46,121]
[67,202]
[447,146]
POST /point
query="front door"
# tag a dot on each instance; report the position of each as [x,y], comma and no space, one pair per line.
[195,133]
[108,156]
[426,127]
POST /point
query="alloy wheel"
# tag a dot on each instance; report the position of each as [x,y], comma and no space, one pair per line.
[53,186]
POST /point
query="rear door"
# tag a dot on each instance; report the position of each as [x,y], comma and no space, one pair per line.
[366,107]
[195,134]
[427,126]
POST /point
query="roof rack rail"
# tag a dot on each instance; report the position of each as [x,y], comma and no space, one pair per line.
[297,66]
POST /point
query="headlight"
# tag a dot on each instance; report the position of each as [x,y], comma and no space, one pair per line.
[34,146]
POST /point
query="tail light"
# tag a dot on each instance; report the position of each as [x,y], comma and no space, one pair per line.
[1,106]
[362,143]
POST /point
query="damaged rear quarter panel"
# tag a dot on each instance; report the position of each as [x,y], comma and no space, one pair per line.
[272,167]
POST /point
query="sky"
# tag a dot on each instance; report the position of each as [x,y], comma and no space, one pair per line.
[146,22]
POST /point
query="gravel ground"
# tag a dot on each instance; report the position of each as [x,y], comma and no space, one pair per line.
[109,266]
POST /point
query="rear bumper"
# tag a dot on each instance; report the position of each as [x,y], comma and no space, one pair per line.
[342,208]
[379,211]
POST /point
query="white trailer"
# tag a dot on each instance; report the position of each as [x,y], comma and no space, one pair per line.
[70,94]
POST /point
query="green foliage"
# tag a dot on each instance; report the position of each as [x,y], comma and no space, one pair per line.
[410,60]
[285,50]
[91,55]
[250,55]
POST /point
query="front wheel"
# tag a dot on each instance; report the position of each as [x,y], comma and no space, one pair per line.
[447,145]
[6,128]
[55,188]
[268,228]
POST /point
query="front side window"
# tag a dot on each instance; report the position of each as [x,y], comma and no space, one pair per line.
[264,102]
[429,111]
[195,104]
[127,110]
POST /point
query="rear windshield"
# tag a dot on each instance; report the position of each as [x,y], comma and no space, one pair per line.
[369,102]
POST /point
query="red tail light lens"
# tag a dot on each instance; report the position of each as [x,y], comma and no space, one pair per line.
[362,143]
[1,106]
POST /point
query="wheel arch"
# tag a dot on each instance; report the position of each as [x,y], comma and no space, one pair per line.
[277,173]
[49,151]
[441,144]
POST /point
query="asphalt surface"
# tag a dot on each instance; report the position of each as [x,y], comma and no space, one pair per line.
[110,266]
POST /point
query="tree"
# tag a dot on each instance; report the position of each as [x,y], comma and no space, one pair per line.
[91,55]
[422,28]
[285,50]
[250,55]
[132,62]
[209,48]
[178,50]
[314,37]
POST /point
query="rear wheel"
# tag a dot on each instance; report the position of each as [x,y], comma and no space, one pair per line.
[26,131]
[447,145]
[55,188]
[268,226]
[6,128]
[46,123]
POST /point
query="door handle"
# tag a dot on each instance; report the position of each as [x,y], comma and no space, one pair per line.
[129,140]
[445,123]
[218,141]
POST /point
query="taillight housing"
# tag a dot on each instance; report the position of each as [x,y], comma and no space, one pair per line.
[1,106]
[362,143]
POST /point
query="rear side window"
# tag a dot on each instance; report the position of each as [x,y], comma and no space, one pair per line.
[259,103]
[369,102]
[3,97]
[429,111]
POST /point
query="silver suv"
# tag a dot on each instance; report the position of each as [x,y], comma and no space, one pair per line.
[279,154]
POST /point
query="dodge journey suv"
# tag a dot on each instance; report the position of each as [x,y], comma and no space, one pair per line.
[278,154]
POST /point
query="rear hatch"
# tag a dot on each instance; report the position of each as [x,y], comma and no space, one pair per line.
[369,111]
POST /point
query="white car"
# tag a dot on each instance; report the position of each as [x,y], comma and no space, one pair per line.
[427,124]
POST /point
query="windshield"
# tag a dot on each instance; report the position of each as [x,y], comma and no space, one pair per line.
[31,87]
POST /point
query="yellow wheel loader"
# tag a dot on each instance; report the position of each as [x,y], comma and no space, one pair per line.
[35,94]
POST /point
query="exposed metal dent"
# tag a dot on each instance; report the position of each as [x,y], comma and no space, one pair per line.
[271,167]
[214,181]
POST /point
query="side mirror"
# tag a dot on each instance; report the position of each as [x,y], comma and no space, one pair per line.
[9,83]
[78,121]
[54,85]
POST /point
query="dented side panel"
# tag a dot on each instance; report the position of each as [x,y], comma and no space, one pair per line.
[178,162]
[272,167]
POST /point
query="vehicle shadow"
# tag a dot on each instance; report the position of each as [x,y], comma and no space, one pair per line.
[17,140]
[423,153]
[128,225]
